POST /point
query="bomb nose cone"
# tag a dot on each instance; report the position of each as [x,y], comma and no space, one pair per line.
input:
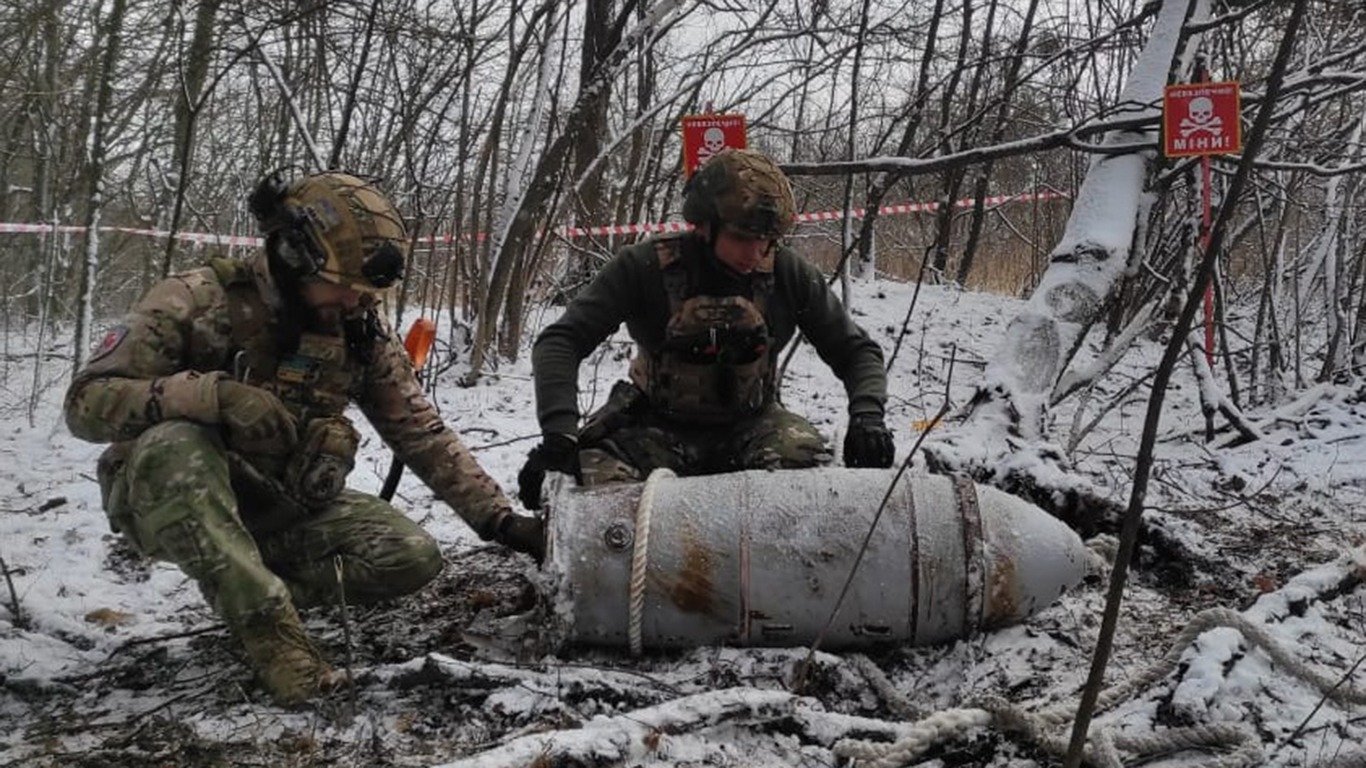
[1031,557]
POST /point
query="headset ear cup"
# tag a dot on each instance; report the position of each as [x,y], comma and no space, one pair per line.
[288,256]
[264,201]
[285,227]
[383,267]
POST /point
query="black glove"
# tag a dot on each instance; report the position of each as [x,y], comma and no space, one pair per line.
[868,443]
[522,533]
[556,453]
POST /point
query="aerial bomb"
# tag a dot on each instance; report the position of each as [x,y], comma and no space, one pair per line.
[760,558]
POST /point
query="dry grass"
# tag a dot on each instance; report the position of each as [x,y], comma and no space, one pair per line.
[1011,255]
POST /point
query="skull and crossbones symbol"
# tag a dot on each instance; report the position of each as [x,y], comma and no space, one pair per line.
[1201,118]
[713,141]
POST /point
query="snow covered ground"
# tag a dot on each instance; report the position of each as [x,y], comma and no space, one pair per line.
[116,661]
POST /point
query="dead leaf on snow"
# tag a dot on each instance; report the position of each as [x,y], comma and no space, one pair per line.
[108,617]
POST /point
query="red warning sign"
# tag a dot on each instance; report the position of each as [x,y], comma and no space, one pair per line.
[705,135]
[1202,119]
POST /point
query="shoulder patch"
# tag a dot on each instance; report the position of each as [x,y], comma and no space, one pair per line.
[109,342]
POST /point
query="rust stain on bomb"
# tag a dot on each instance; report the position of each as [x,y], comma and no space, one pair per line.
[1003,594]
[693,591]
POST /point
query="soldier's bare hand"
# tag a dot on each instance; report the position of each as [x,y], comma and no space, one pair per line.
[255,420]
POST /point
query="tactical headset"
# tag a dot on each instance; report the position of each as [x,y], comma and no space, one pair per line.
[296,239]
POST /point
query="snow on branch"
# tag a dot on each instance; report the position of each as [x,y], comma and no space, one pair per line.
[634,735]
[1008,413]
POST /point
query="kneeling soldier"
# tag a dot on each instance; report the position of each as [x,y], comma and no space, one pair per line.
[223,393]
[709,311]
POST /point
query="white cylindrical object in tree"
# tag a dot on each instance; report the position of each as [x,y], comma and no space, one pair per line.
[759,558]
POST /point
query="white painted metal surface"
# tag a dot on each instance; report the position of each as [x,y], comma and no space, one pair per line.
[759,558]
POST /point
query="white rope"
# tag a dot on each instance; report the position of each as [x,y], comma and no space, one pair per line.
[640,556]
[1042,727]
[932,730]
[1104,745]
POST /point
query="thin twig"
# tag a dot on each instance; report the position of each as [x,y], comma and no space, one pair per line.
[915,297]
[19,621]
[346,635]
[162,638]
[501,443]
[799,679]
[1299,729]
[142,719]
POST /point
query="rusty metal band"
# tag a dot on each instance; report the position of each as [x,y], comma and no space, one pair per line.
[913,538]
[974,558]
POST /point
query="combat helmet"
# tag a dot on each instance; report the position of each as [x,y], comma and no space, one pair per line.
[744,189]
[334,227]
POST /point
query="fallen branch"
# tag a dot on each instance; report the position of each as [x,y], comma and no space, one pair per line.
[1213,400]
[897,703]
[550,682]
[633,735]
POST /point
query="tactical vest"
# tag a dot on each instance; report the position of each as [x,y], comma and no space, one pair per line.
[316,381]
[714,365]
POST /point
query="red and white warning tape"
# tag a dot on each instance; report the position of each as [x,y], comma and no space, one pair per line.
[199,238]
[207,238]
[858,213]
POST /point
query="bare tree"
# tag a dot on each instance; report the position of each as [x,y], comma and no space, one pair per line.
[1007,414]
[111,32]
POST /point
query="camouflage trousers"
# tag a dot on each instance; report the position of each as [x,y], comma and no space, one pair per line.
[625,440]
[175,495]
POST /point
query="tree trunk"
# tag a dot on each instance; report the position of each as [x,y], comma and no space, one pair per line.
[588,205]
[998,129]
[1010,405]
[883,182]
[533,208]
[334,162]
[863,267]
[112,34]
[1328,257]
[186,113]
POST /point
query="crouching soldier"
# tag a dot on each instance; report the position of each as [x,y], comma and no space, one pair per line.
[223,393]
[709,311]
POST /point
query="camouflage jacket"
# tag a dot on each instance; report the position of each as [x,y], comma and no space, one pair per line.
[178,341]
[630,289]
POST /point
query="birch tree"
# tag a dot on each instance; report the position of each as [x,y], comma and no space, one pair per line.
[1006,421]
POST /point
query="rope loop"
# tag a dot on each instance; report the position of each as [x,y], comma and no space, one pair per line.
[640,555]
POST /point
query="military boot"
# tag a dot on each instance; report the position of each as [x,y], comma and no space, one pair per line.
[286,663]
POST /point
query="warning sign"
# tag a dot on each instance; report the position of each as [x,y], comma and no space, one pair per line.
[705,135]
[1202,119]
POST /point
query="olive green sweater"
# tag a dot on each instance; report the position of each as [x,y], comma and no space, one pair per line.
[630,289]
